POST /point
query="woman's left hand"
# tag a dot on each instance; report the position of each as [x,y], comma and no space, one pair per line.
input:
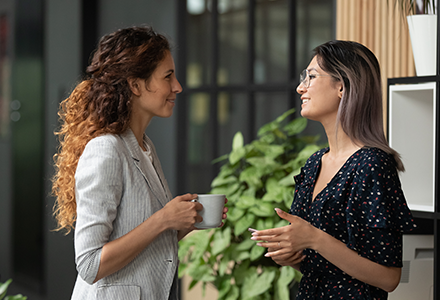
[284,243]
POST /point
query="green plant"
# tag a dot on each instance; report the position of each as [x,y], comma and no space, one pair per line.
[4,289]
[256,178]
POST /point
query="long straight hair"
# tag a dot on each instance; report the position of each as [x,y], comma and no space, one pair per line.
[360,111]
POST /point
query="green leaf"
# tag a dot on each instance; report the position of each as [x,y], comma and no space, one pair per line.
[16,297]
[245,245]
[270,151]
[285,115]
[257,252]
[224,286]
[226,189]
[218,181]
[241,271]
[287,274]
[296,126]
[233,294]
[200,271]
[288,180]
[237,141]
[4,288]
[253,286]
[243,224]
[263,209]
[235,213]
[201,241]
[240,256]
[182,269]
[222,239]
[246,201]
[251,176]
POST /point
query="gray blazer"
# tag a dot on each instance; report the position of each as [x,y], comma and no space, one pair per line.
[114,195]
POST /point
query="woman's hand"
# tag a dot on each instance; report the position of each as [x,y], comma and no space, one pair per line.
[283,257]
[295,237]
[225,210]
[181,213]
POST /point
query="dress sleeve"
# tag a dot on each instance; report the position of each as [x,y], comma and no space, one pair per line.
[98,189]
[377,213]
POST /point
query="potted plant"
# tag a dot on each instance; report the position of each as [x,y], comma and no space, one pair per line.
[256,178]
[422,26]
[4,289]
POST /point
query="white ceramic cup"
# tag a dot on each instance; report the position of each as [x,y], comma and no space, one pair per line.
[212,211]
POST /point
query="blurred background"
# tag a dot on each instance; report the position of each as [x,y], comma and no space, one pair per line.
[237,60]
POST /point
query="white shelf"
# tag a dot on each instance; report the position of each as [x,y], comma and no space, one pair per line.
[412,120]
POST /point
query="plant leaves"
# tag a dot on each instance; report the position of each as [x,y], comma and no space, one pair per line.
[4,288]
[221,241]
[246,201]
[253,286]
[263,209]
[251,176]
[243,224]
[296,126]
[237,141]
[233,294]
[235,213]
[245,245]
[287,274]
[224,286]
[257,252]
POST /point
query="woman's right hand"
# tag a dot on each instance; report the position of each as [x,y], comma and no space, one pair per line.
[181,214]
[287,258]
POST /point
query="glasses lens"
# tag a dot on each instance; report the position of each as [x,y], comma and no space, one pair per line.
[303,78]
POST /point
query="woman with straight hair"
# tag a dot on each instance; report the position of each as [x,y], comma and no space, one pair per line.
[109,182]
[349,211]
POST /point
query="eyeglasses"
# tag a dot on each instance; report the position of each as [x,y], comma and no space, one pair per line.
[305,77]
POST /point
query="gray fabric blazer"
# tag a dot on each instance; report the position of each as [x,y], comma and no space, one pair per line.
[114,195]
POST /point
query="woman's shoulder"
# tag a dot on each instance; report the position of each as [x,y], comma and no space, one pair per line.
[374,157]
[104,144]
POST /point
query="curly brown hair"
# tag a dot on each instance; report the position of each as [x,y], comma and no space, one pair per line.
[101,104]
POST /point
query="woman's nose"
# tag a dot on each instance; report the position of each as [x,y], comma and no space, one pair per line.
[301,88]
[177,88]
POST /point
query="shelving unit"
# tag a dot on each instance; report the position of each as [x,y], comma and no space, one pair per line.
[414,131]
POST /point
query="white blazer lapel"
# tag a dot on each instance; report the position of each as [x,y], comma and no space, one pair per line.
[158,168]
[135,151]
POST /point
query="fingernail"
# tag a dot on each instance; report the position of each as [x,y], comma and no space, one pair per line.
[253,238]
[259,244]
[267,254]
[277,209]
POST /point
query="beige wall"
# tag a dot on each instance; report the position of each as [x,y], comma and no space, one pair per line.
[383,30]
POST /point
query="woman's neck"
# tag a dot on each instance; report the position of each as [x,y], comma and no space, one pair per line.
[340,143]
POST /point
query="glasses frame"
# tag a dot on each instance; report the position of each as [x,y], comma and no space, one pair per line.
[305,80]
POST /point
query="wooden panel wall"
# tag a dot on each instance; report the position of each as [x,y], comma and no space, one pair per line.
[383,30]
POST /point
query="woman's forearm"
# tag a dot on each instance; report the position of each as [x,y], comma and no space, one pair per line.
[118,253]
[349,261]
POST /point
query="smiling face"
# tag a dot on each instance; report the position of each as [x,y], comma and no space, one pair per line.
[320,101]
[156,96]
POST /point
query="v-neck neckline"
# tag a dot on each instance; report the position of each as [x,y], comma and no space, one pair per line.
[337,174]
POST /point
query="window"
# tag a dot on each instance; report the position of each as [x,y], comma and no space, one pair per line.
[239,62]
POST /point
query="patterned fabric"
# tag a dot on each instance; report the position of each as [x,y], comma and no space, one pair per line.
[364,207]
[115,192]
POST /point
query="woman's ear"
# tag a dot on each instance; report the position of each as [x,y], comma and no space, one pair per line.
[341,91]
[134,85]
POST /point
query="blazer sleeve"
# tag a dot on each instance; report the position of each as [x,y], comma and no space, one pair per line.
[98,190]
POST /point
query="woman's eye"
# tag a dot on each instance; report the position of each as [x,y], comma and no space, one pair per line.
[312,76]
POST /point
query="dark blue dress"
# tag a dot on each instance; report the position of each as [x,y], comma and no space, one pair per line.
[364,207]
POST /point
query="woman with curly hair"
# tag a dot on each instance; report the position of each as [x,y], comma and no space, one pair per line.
[109,182]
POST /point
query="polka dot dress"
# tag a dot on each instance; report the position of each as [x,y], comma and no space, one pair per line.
[364,207]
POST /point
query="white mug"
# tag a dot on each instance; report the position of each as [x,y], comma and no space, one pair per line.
[212,211]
